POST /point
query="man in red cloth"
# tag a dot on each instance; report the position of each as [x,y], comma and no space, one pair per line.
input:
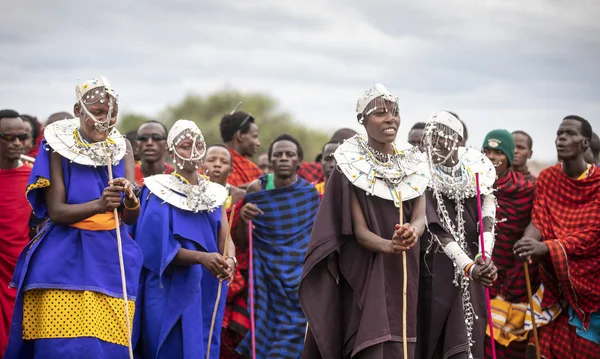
[240,134]
[523,153]
[514,193]
[14,212]
[564,237]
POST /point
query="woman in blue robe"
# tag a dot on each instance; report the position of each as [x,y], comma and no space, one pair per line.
[70,301]
[182,230]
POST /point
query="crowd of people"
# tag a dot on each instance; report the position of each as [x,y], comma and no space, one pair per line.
[155,244]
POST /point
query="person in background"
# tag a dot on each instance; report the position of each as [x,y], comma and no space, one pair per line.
[523,153]
[240,134]
[28,143]
[282,208]
[14,212]
[151,143]
[236,321]
[514,193]
[263,163]
[327,163]
[563,236]
[131,136]
[415,135]
[57,116]
[591,155]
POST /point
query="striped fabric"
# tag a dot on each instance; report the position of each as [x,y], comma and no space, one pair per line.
[280,239]
[515,202]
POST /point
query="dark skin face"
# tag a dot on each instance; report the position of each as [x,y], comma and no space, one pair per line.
[570,143]
[10,151]
[284,159]
[382,126]
[217,164]
[151,150]
[328,162]
[499,160]
[263,163]
[28,143]
[185,148]
[522,150]
[248,142]
[415,137]
[100,111]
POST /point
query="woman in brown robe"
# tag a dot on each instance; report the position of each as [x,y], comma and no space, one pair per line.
[351,287]
[451,311]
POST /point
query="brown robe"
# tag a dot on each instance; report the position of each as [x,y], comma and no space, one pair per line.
[441,322]
[351,296]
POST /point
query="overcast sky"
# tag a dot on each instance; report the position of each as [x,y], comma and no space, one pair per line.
[498,64]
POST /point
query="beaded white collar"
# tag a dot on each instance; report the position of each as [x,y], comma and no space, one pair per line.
[404,173]
[205,196]
[64,137]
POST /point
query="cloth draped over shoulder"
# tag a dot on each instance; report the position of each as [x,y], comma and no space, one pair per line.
[70,258]
[280,238]
[177,302]
[311,172]
[352,297]
[515,196]
[567,212]
[14,236]
[243,170]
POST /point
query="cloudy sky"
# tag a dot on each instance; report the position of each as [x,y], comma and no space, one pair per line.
[497,63]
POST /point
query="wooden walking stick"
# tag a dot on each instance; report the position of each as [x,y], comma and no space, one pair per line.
[215,310]
[251,290]
[482,245]
[404,282]
[530,295]
[121,263]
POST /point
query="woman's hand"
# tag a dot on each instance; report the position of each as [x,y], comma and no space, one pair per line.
[484,272]
[405,237]
[215,263]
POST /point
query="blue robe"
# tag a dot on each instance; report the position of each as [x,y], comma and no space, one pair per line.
[178,301]
[67,258]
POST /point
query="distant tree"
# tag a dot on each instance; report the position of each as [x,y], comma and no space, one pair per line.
[207,112]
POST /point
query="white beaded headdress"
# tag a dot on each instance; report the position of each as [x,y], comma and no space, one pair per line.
[377,91]
[186,129]
[93,91]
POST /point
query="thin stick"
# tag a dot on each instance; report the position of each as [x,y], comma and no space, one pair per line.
[251,290]
[404,283]
[121,264]
[27,158]
[214,316]
[530,295]
[482,245]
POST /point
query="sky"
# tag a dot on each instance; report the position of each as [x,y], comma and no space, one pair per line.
[517,65]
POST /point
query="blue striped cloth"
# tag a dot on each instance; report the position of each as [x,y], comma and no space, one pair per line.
[280,239]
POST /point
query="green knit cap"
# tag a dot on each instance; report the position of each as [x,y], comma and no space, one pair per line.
[501,140]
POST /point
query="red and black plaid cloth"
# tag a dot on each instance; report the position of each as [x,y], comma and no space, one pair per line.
[243,170]
[236,320]
[311,172]
[559,340]
[515,200]
[567,212]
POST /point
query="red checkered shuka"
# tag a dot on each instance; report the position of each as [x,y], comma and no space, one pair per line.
[311,172]
[567,212]
[515,202]
[243,170]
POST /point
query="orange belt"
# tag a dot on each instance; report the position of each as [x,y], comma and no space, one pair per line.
[98,222]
